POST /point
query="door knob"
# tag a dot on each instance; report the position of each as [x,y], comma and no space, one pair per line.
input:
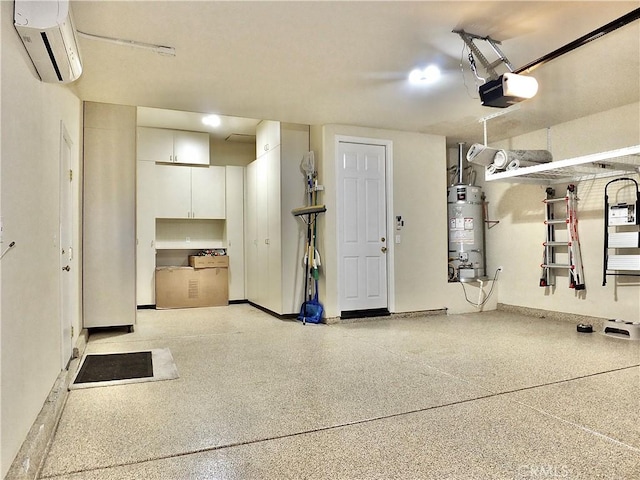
[67,268]
[383,249]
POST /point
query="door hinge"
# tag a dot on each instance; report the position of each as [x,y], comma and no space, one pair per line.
[70,175]
[71,331]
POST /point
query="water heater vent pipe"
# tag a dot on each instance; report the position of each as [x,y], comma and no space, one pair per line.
[460,158]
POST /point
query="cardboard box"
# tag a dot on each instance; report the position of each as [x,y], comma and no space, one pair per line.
[185,287]
[209,261]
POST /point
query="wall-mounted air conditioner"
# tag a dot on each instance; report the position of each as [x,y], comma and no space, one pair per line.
[47,31]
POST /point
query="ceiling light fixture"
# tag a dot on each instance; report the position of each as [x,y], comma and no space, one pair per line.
[424,76]
[212,120]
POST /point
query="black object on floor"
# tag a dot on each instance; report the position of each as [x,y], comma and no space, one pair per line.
[585,328]
[373,312]
[115,366]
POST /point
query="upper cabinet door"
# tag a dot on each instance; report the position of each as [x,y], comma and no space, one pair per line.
[191,147]
[208,192]
[173,191]
[173,146]
[155,144]
[267,136]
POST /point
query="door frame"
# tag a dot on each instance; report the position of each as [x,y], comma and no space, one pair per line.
[388,145]
[65,222]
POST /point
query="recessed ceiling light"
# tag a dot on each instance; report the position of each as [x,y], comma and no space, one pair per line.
[423,76]
[212,120]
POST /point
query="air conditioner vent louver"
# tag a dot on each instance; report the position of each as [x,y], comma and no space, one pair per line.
[52,57]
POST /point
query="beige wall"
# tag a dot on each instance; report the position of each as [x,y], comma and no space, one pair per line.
[516,243]
[419,196]
[231,153]
[29,291]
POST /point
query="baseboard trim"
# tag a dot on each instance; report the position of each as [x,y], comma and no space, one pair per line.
[30,458]
[287,316]
[417,314]
[597,322]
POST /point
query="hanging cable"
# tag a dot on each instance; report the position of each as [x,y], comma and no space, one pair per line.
[4,252]
[464,80]
[480,304]
[474,68]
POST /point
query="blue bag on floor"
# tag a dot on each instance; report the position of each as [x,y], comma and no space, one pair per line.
[311,311]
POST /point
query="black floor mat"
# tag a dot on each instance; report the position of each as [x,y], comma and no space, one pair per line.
[115,366]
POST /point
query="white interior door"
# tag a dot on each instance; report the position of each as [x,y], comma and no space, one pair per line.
[362,231]
[67,269]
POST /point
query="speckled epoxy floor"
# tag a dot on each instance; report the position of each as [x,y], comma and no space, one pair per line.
[491,395]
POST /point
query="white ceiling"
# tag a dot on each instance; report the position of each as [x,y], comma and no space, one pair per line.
[322,62]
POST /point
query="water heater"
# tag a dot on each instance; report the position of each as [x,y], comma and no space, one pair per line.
[465,206]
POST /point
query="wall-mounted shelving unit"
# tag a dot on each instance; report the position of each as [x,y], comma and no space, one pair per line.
[598,165]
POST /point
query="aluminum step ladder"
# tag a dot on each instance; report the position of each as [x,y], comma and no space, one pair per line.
[621,233]
[562,213]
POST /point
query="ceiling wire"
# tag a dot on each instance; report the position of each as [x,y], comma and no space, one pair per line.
[473,69]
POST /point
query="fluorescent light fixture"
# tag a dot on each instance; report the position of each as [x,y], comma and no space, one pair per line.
[424,76]
[212,120]
[507,90]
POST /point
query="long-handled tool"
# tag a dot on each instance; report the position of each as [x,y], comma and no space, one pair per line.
[311,309]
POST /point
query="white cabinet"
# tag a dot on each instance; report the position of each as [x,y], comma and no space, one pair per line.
[189,192]
[251,234]
[267,136]
[154,144]
[145,233]
[234,231]
[274,238]
[173,146]
[173,191]
[208,199]
[182,208]
[109,216]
